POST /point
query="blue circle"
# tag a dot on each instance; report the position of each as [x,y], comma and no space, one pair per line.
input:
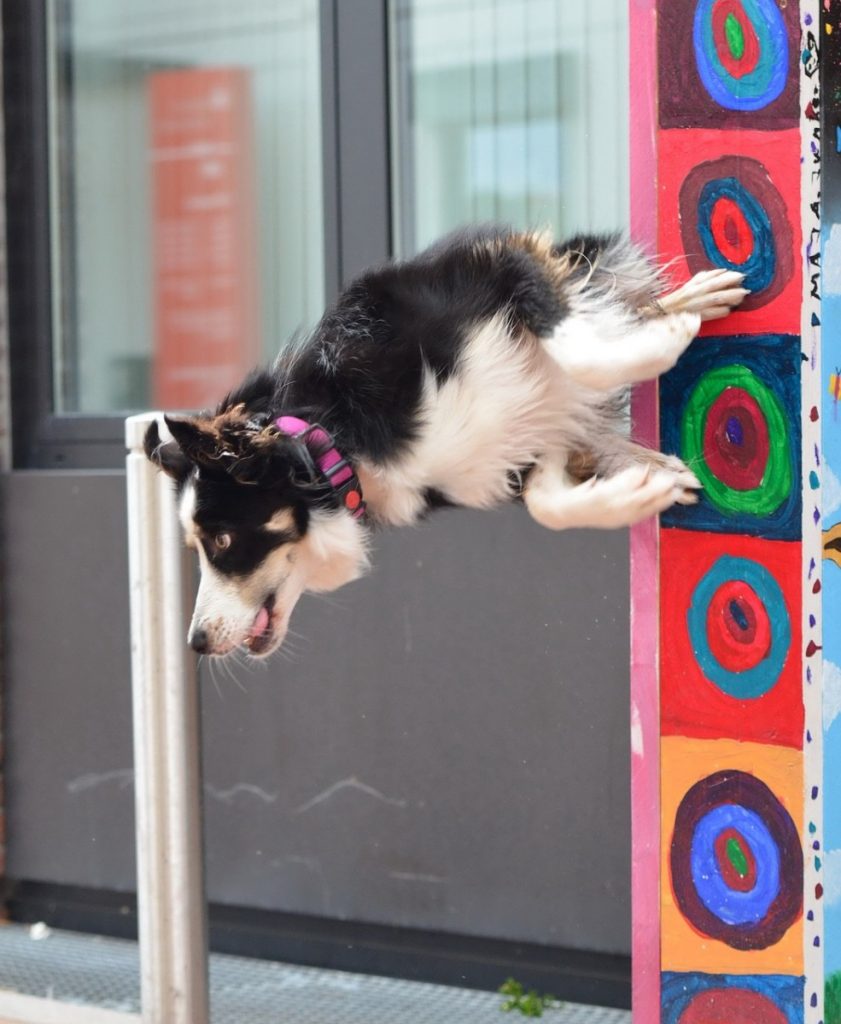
[729,905]
[759,87]
[756,681]
[761,265]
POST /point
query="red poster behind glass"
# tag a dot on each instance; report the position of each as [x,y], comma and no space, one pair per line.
[206,334]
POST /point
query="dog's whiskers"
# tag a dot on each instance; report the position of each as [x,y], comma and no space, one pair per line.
[228,662]
[209,664]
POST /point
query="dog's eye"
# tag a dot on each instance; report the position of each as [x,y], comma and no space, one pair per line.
[222,541]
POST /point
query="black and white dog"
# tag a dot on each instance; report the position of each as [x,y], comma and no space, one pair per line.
[494,365]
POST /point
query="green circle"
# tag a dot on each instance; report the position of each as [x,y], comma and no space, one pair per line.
[777,479]
[735,37]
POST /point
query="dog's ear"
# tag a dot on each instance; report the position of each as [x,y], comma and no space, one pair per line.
[229,444]
[166,455]
[267,457]
[198,440]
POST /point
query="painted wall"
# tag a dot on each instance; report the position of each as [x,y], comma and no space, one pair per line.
[738,788]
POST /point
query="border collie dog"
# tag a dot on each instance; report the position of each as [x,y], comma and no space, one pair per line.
[493,366]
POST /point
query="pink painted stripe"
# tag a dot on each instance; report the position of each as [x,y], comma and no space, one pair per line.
[643,140]
[645,697]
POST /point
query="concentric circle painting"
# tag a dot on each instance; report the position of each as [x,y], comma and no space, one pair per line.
[735,435]
[739,627]
[735,1005]
[732,216]
[741,52]
[729,200]
[731,608]
[731,410]
[731,63]
[695,998]
[736,863]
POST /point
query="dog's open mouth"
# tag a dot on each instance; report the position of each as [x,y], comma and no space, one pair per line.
[261,634]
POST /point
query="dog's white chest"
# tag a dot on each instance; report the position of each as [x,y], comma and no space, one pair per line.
[493,416]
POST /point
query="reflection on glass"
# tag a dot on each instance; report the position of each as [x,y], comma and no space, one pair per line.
[509,110]
[186,195]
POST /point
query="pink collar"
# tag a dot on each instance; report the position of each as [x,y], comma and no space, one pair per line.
[328,460]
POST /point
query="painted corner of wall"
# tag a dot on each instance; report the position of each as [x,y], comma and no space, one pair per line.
[645,726]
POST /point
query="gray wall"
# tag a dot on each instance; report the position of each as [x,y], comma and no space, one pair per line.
[447,747]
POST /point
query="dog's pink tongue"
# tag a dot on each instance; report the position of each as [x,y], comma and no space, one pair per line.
[261,622]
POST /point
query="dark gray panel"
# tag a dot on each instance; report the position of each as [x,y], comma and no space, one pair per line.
[447,748]
[69,756]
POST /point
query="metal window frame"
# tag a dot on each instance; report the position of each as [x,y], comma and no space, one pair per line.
[357,209]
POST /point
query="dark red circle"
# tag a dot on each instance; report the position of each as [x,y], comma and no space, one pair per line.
[738,627]
[753,180]
[731,231]
[737,457]
[352,500]
[735,880]
[732,1006]
[731,786]
[738,67]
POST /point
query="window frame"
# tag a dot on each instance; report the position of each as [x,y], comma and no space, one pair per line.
[355,135]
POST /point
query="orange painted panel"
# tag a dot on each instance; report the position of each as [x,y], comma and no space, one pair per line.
[775,775]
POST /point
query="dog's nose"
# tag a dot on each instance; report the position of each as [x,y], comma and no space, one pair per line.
[199,641]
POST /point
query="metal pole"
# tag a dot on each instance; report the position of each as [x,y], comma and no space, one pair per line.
[167,752]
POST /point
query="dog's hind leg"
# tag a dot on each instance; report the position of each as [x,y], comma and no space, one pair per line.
[555,500]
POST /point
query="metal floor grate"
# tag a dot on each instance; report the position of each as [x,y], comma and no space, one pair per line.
[93,971]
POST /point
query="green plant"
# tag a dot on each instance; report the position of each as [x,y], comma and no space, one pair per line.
[529,1004]
[832,997]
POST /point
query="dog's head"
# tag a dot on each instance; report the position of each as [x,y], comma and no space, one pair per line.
[265,525]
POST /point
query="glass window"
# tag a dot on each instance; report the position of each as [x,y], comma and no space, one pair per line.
[186,194]
[513,111]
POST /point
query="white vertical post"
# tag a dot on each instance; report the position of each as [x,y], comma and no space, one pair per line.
[167,753]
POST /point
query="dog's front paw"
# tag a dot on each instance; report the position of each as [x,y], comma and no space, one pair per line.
[640,492]
[712,294]
[622,500]
[686,482]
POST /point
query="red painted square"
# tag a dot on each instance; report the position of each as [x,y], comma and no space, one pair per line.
[739,193]
[716,574]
